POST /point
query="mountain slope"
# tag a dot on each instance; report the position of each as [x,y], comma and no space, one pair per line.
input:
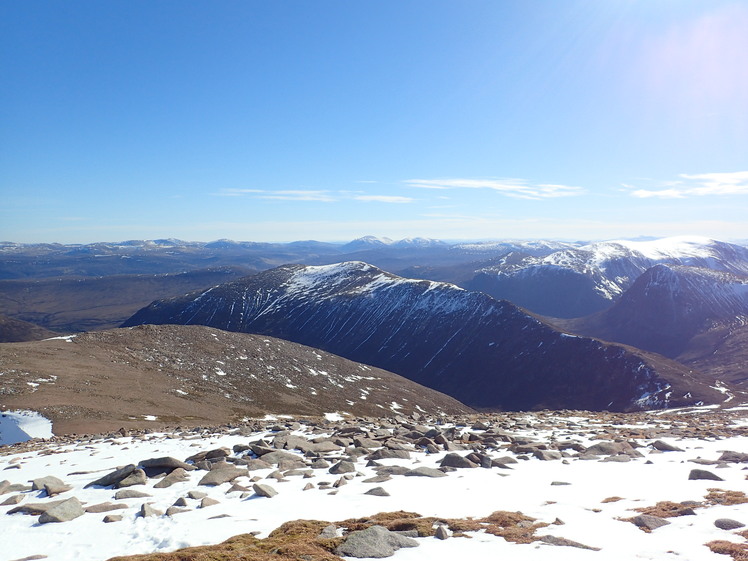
[152,375]
[575,282]
[484,352]
[686,313]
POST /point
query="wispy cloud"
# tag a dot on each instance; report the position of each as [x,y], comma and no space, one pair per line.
[383,199]
[517,188]
[699,185]
[281,195]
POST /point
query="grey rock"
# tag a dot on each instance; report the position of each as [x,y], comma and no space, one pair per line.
[392,470]
[105,507]
[223,475]
[456,461]
[67,510]
[733,457]
[146,510]
[208,501]
[137,477]
[556,540]
[35,508]
[12,500]
[663,446]
[130,494]
[728,524]
[39,483]
[375,541]
[173,510]
[388,454]
[264,490]
[197,495]
[377,492]
[178,475]
[278,455]
[378,478]
[113,477]
[52,489]
[650,522]
[167,462]
[343,466]
[547,454]
[425,472]
[441,532]
[109,518]
[703,474]
[328,532]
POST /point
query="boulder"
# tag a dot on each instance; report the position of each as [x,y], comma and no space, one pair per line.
[264,490]
[178,475]
[137,477]
[456,461]
[113,477]
[649,522]
[67,510]
[375,541]
[343,466]
[425,472]
[222,475]
[728,524]
[703,474]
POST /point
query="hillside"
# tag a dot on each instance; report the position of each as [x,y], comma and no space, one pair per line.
[193,375]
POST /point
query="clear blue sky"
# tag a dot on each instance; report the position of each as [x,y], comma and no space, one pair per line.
[330,120]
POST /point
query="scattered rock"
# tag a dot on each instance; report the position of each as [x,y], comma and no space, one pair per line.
[137,477]
[377,492]
[728,524]
[374,541]
[663,446]
[147,510]
[130,494]
[556,540]
[441,532]
[456,461]
[113,518]
[105,507]
[177,475]
[222,475]
[112,478]
[264,490]
[425,472]
[649,522]
[343,466]
[65,511]
[703,474]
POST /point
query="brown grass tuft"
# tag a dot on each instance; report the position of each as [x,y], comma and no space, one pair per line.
[722,497]
[738,551]
[667,509]
[612,500]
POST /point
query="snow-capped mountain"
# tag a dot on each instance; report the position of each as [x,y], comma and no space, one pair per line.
[682,312]
[484,352]
[574,282]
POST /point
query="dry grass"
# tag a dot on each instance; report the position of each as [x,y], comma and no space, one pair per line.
[738,551]
[299,540]
[612,500]
[667,509]
[722,497]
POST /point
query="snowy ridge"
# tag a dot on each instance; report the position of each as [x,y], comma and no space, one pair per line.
[613,266]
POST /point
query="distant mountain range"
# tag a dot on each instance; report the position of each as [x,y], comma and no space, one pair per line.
[484,352]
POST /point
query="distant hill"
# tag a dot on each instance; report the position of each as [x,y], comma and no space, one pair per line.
[15,330]
[484,352]
[72,304]
[194,375]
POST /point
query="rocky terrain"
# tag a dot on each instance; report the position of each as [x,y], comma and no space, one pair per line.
[193,375]
[485,353]
[549,485]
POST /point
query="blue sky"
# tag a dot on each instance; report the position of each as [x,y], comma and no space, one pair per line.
[330,120]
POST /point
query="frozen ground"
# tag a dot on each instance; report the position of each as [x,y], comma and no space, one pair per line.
[569,491]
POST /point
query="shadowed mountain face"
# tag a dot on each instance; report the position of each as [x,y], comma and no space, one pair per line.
[173,374]
[484,352]
[694,315]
